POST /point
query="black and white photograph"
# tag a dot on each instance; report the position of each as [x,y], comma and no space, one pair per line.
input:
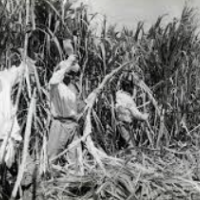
[99,100]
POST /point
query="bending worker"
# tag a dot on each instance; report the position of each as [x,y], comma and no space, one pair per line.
[127,111]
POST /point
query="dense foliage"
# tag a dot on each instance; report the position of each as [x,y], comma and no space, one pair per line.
[162,74]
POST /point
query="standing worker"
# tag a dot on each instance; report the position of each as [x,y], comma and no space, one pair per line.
[8,119]
[64,109]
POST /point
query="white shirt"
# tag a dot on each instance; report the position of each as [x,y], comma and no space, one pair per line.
[63,100]
[8,119]
[63,97]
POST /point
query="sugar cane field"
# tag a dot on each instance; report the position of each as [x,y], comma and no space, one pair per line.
[109,114]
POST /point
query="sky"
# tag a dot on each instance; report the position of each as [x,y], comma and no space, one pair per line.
[129,12]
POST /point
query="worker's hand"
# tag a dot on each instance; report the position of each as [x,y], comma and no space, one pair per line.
[70,64]
[72,58]
[74,66]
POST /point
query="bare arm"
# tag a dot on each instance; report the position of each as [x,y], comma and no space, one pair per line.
[63,67]
[57,77]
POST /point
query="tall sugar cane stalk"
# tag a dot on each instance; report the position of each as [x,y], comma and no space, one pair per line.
[26,144]
[5,142]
